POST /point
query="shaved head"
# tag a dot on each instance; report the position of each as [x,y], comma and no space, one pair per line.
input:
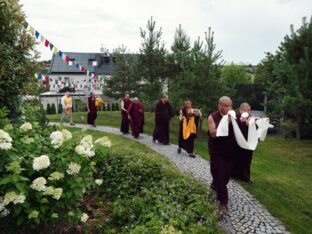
[225,105]
[224,99]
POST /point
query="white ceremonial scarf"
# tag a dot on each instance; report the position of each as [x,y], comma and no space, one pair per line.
[253,133]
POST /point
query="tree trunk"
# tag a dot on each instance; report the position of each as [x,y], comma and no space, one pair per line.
[298,126]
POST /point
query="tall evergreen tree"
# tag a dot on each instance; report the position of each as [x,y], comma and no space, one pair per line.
[17,65]
[151,64]
[124,81]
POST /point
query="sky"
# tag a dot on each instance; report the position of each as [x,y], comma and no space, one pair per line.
[244,29]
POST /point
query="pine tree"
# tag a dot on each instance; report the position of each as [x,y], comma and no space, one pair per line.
[48,108]
[151,64]
[108,107]
[53,109]
[124,80]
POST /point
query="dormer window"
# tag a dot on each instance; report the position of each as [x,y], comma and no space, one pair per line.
[71,62]
[92,62]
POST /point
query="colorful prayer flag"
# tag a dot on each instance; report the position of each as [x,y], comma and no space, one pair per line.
[37,34]
[46,43]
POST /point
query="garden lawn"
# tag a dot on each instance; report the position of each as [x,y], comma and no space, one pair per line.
[281,170]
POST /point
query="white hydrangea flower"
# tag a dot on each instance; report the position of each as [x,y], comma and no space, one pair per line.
[84,217]
[89,153]
[34,214]
[80,149]
[104,141]
[73,168]
[98,181]
[56,176]
[48,191]
[28,140]
[5,145]
[57,139]
[57,193]
[39,184]
[19,199]
[66,134]
[85,150]
[70,213]
[54,215]
[25,127]
[86,141]
[5,140]
[13,197]
[4,212]
[41,162]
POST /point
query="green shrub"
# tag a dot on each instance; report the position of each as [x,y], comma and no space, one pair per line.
[117,106]
[34,156]
[4,112]
[53,109]
[104,107]
[32,111]
[113,106]
[108,107]
[145,198]
[48,109]
[59,109]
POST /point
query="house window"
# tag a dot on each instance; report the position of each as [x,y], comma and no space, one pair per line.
[71,62]
[92,62]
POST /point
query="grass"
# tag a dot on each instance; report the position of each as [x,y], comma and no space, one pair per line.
[281,170]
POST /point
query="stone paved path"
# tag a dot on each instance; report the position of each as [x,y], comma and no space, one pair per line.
[246,214]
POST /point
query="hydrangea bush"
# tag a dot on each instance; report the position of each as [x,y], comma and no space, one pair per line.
[44,173]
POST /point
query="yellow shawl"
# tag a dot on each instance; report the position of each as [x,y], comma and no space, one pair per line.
[188,127]
[67,102]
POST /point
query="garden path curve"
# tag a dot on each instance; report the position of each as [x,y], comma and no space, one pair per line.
[246,214]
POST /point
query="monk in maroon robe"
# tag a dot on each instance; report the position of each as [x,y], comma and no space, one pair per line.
[221,151]
[163,114]
[124,105]
[92,110]
[187,113]
[243,157]
[142,119]
[135,116]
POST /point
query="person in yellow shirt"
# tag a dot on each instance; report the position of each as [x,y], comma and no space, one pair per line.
[67,104]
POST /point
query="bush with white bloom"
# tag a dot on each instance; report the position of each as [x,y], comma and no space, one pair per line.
[38,183]
[25,127]
[5,140]
[41,162]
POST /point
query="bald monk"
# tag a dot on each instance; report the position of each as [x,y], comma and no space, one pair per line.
[243,157]
[221,151]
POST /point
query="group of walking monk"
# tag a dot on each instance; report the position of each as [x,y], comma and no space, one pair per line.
[227,159]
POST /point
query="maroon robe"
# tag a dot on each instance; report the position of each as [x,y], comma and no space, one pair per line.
[163,114]
[243,157]
[92,114]
[141,117]
[135,113]
[188,144]
[124,128]
[221,151]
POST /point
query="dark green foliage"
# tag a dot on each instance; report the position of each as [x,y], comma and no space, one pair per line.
[59,108]
[287,78]
[194,72]
[124,80]
[17,66]
[151,68]
[113,106]
[117,106]
[49,109]
[146,198]
[3,117]
[108,107]
[53,109]
[104,106]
